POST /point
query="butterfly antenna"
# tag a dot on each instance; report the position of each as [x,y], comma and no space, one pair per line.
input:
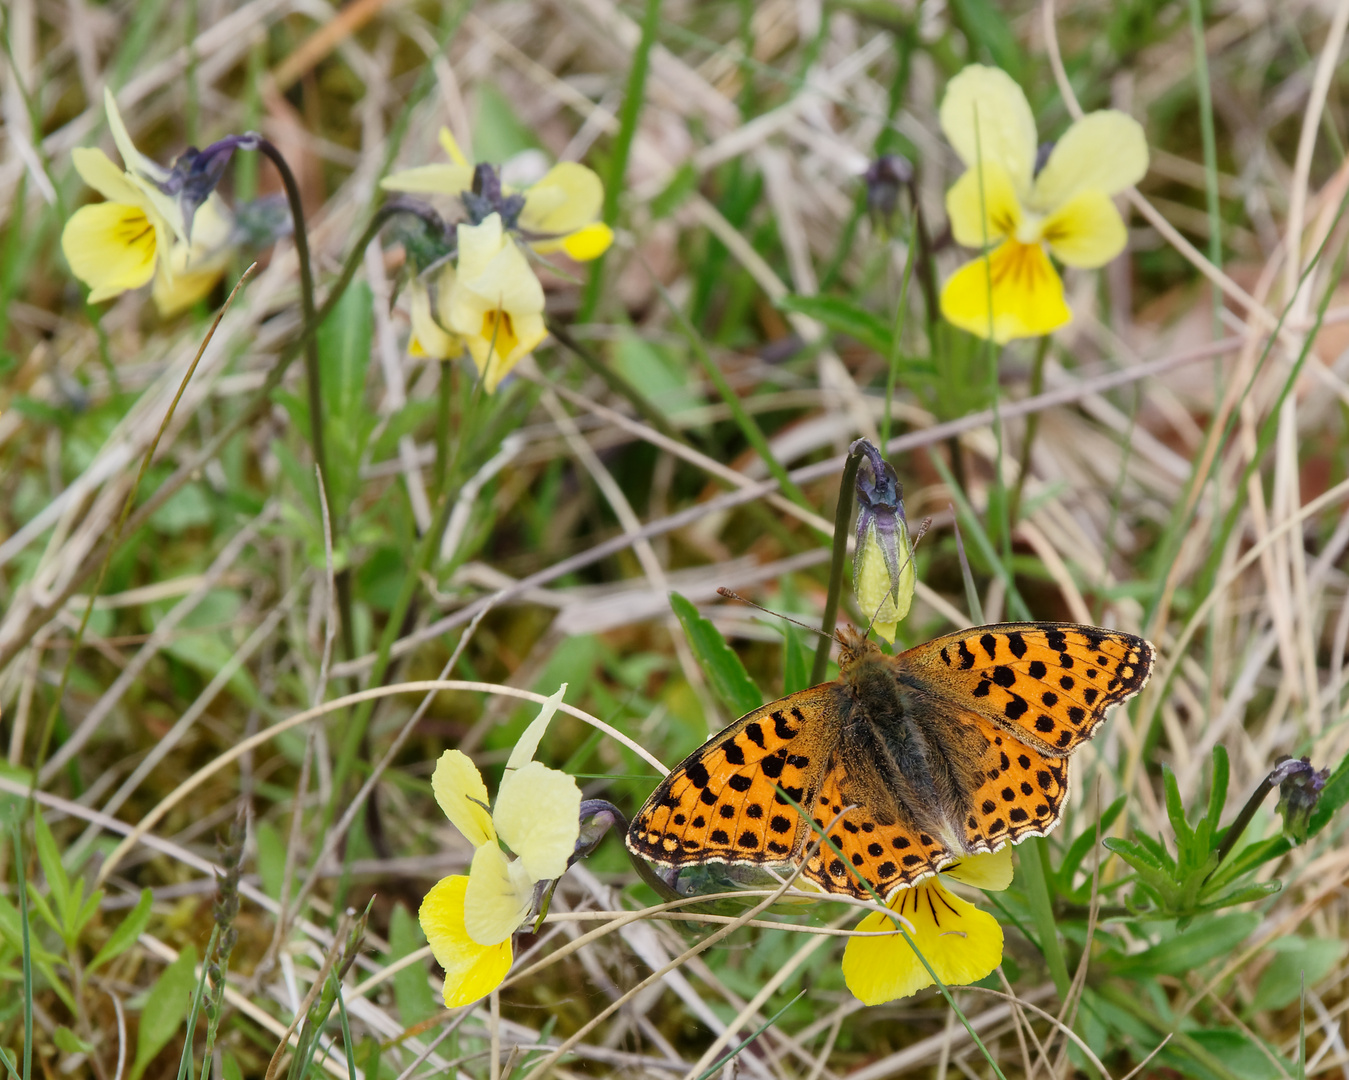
[786,618]
[918,535]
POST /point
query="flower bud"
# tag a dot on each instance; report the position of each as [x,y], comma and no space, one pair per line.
[883,571]
[883,178]
[1300,789]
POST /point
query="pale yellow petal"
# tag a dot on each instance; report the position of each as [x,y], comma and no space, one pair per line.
[175,293]
[451,147]
[507,281]
[478,245]
[1086,231]
[528,744]
[431,180]
[567,197]
[992,872]
[980,217]
[960,942]
[497,898]
[428,335]
[986,117]
[111,247]
[461,793]
[537,815]
[135,161]
[472,971]
[97,170]
[1104,151]
[1027,295]
[589,242]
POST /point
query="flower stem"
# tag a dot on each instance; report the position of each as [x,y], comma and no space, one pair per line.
[1037,382]
[1036,878]
[842,519]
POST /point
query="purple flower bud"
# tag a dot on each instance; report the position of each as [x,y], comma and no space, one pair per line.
[884,178]
[1300,789]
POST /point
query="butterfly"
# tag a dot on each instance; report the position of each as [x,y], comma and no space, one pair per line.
[911,762]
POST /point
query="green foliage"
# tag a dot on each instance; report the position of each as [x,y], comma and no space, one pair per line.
[723,668]
[166,1006]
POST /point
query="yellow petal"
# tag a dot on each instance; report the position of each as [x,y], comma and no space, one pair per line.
[175,293]
[962,943]
[1104,151]
[431,180]
[1086,231]
[428,335]
[451,147]
[497,898]
[1004,131]
[1027,298]
[537,816]
[983,217]
[528,743]
[567,197]
[589,242]
[135,161]
[111,247]
[462,795]
[97,170]
[992,872]
[472,971]
[478,245]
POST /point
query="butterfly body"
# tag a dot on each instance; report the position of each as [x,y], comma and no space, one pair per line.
[910,762]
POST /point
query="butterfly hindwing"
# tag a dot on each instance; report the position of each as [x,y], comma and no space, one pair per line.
[1049,684]
[722,803]
[1021,793]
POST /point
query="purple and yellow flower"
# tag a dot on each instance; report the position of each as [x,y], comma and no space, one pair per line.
[1026,205]
[470,919]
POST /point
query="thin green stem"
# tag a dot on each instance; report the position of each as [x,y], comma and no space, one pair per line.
[842,520]
[634,97]
[1037,382]
[1210,144]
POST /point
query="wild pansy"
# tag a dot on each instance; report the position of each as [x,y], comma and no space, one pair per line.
[141,232]
[960,942]
[469,919]
[1023,199]
[883,570]
[558,212]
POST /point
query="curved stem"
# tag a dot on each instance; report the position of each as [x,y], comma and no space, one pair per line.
[842,519]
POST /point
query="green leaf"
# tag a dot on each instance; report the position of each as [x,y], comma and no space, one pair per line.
[411,988]
[1234,1050]
[1218,794]
[795,661]
[730,681]
[344,353]
[49,858]
[1210,937]
[165,1008]
[844,317]
[70,1043]
[1295,957]
[1175,810]
[1083,843]
[128,930]
[271,858]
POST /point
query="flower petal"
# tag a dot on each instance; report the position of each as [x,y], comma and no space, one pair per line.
[980,217]
[1104,151]
[176,292]
[98,171]
[462,795]
[1027,298]
[429,338]
[528,744]
[111,247]
[472,971]
[567,197]
[962,943]
[992,872]
[498,896]
[451,147]
[478,245]
[589,242]
[1086,231]
[431,180]
[537,814]
[136,162]
[1004,132]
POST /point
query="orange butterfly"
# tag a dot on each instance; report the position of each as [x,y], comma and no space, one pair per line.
[955,747]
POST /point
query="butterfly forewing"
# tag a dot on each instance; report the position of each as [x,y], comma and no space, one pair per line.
[1049,684]
[723,803]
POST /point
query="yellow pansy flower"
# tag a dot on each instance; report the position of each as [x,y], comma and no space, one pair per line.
[1003,198]
[469,919]
[139,233]
[561,209]
[495,303]
[962,943]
